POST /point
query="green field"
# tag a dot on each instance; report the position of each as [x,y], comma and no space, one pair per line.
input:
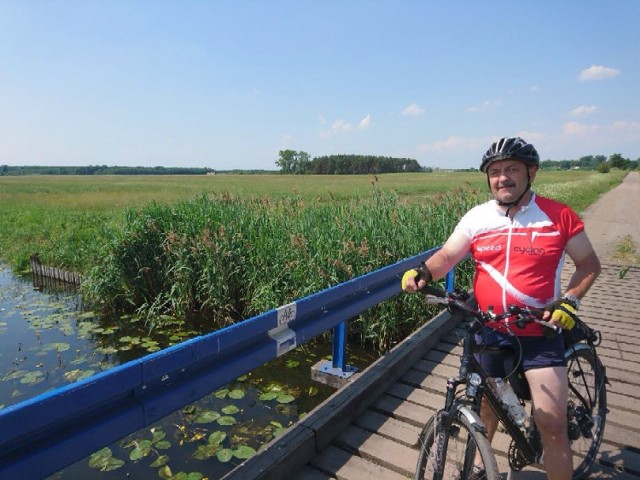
[232,246]
[42,213]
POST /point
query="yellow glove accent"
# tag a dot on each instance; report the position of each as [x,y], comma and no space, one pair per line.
[565,315]
[413,273]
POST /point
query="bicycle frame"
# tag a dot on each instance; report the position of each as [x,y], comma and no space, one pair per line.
[531,449]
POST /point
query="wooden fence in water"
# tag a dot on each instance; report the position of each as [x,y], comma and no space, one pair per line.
[43,274]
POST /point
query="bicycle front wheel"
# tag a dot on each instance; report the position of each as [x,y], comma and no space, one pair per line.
[587,407]
[449,453]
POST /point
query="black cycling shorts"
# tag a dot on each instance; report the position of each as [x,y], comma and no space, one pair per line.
[537,352]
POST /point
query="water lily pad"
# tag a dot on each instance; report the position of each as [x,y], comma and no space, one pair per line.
[226,420]
[236,394]
[107,350]
[14,375]
[265,397]
[205,452]
[57,346]
[104,461]
[224,455]
[243,452]
[32,378]
[160,461]
[222,393]
[143,447]
[207,416]
[285,398]
[77,375]
[230,410]
[216,438]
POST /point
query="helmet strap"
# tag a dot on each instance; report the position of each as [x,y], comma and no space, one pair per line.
[510,205]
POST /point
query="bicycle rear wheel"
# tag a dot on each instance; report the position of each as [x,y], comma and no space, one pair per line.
[448,453]
[587,408]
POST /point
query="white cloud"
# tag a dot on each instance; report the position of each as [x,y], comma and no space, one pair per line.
[583,110]
[455,143]
[413,110]
[365,122]
[598,72]
[485,106]
[341,127]
[338,127]
[577,128]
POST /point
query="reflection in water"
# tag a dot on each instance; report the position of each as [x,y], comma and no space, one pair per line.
[49,341]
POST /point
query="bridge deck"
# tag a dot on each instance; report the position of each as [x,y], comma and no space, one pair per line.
[367,428]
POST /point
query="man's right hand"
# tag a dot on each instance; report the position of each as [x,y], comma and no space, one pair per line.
[416,279]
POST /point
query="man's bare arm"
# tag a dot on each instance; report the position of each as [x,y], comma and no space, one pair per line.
[587,264]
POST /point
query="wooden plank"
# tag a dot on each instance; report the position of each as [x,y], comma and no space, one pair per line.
[413,414]
[383,451]
[344,466]
[389,427]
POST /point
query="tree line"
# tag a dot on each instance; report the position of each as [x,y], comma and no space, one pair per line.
[294,162]
[301,163]
[101,170]
[592,162]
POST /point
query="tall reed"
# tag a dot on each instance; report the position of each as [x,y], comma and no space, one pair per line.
[228,258]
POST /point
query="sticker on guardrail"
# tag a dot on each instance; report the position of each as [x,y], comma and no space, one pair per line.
[287,313]
[284,337]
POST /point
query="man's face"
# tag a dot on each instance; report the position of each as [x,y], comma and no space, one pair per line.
[508,179]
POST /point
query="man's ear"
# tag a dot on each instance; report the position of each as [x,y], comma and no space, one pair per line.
[532,173]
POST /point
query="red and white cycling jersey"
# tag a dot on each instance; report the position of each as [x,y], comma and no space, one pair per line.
[518,261]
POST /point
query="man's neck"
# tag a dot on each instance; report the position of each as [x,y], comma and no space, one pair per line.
[516,208]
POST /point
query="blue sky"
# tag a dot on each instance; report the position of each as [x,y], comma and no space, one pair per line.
[228,84]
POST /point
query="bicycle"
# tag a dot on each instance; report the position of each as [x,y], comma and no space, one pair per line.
[455,436]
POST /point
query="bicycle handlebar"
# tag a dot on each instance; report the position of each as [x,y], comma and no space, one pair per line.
[458,300]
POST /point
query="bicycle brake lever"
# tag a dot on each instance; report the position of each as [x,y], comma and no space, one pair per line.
[436,300]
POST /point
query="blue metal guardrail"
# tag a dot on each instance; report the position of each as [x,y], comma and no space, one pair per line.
[46,433]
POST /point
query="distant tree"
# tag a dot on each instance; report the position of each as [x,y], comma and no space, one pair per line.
[618,161]
[603,167]
[291,161]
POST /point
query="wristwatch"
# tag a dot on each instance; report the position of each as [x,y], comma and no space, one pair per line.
[575,301]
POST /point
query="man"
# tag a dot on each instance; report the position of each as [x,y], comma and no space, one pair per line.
[518,243]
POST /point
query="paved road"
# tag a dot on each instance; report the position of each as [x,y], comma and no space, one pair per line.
[615,215]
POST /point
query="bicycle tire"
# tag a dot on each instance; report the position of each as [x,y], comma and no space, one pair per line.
[459,445]
[587,408]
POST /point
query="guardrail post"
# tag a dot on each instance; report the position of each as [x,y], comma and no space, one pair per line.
[335,372]
[449,281]
[339,348]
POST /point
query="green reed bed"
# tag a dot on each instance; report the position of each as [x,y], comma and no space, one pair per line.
[226,258]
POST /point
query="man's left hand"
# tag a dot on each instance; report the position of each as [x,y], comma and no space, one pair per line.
[562,312]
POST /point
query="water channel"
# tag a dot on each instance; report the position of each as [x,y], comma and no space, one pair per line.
[48,340]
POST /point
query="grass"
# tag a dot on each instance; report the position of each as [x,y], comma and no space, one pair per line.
[64,218]
[185,245]
[626,252]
